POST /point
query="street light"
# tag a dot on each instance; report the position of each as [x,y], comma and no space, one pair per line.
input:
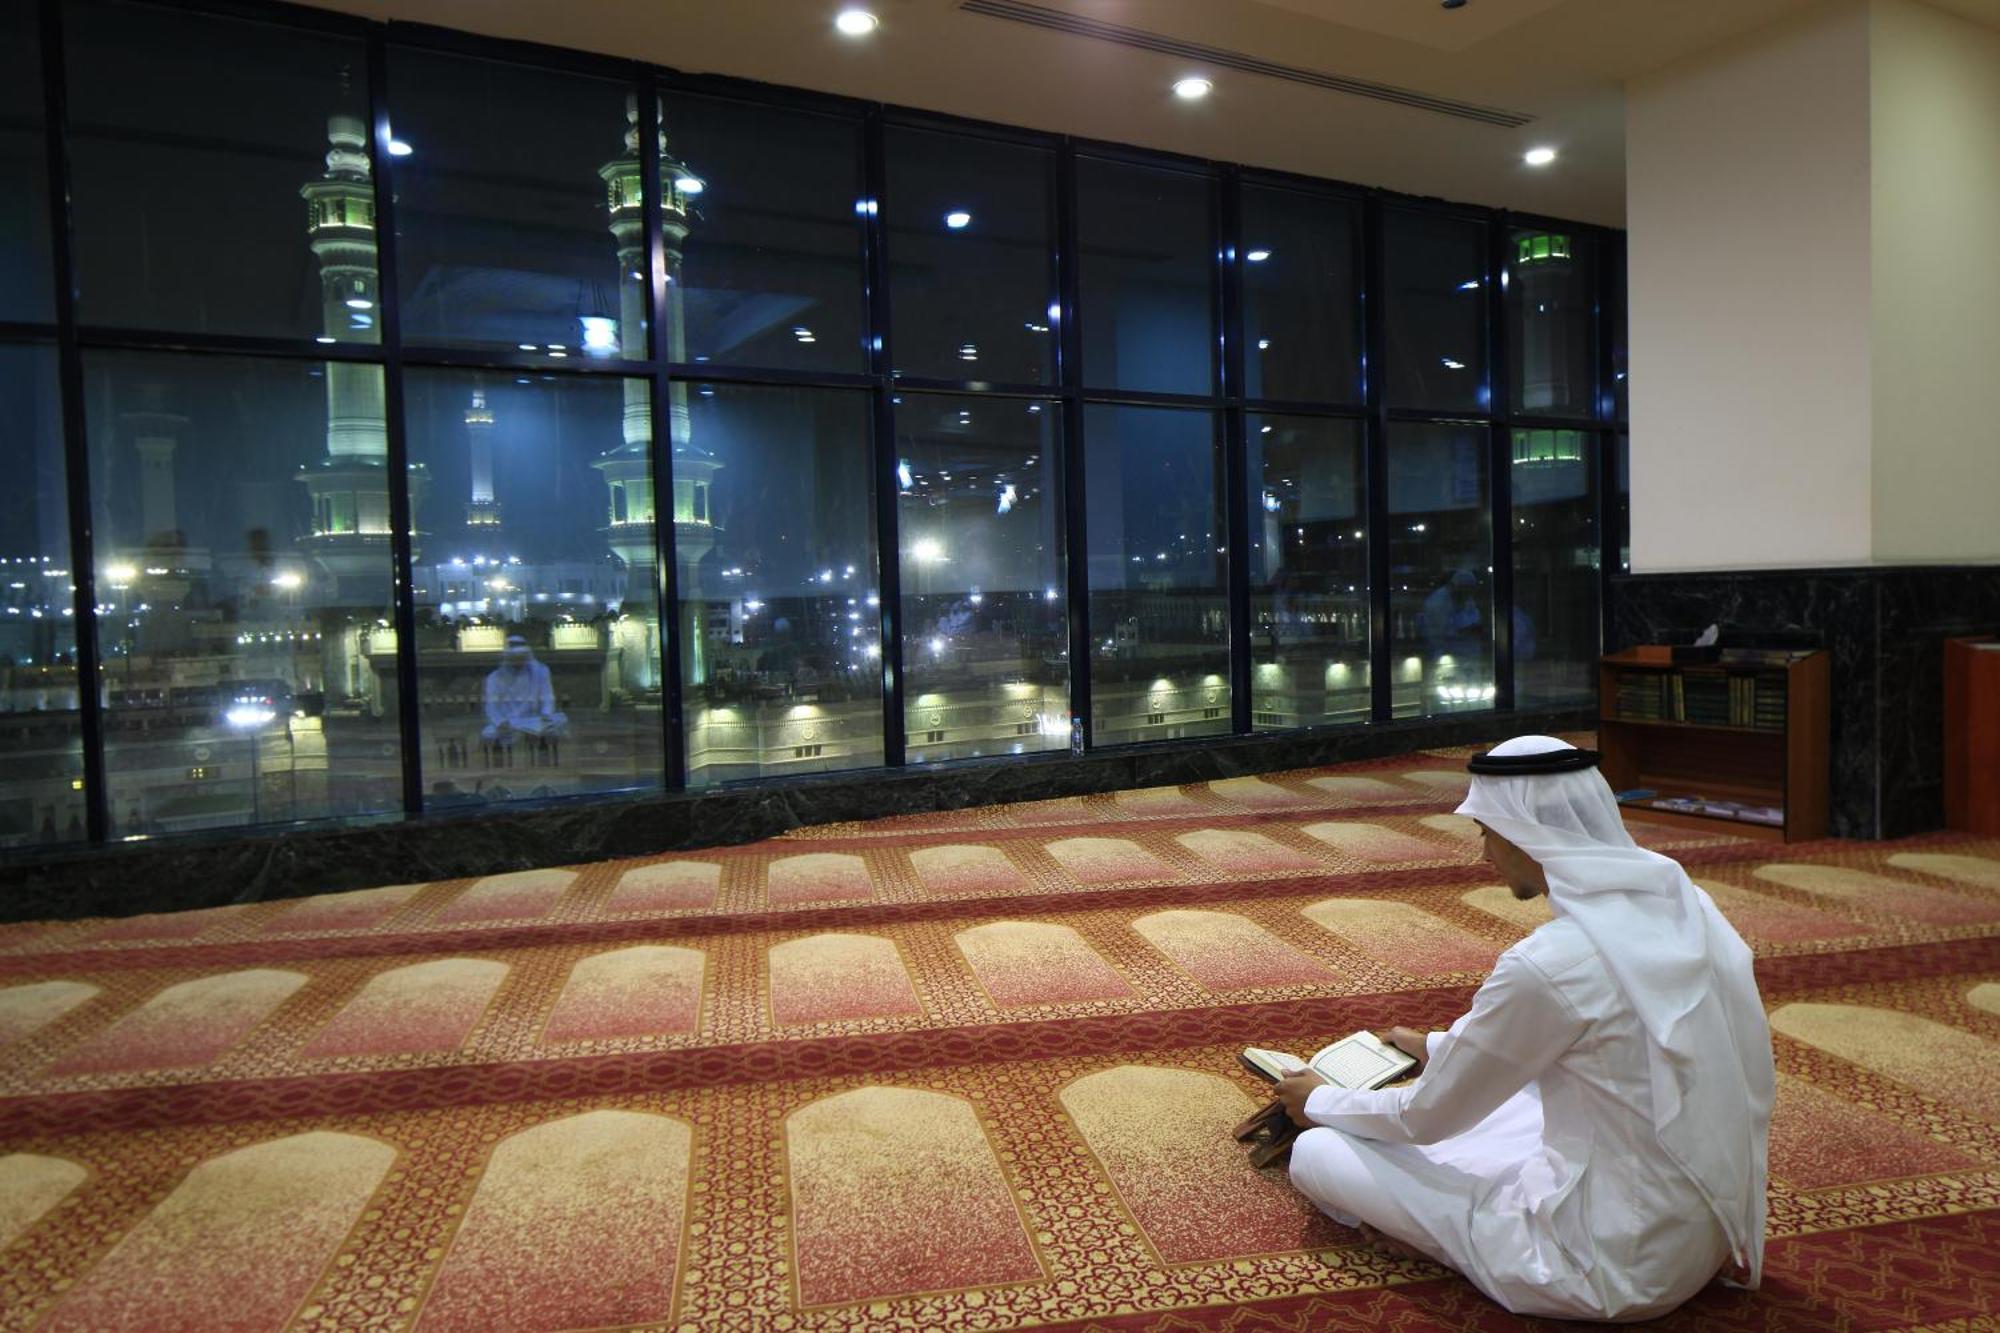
[248,716]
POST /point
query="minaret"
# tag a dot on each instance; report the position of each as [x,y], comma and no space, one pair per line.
[482,512]
[350,531]
[625,469]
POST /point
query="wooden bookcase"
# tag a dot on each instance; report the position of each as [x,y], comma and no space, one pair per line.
[1749,728]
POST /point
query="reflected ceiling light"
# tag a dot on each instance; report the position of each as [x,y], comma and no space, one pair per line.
[927,550]
[1258,256]
[359,303]
[856,22]
[397,148]
[1263,344]
[324,338]
[903,477]
[1450,364]
[1539,157]
[600,334]
[1265,431]
[1193,88]
[689,184]
[804,334]
[958,219]
[1469,285]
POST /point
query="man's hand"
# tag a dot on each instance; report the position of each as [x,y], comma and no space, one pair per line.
[1409,1041]
[1293,1089]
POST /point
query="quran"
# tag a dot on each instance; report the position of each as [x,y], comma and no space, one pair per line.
[1357,1061]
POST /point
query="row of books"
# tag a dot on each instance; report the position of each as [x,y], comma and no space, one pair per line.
[1706,698]
[1704,805]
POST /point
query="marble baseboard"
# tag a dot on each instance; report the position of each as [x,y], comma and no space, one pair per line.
[1885,628]
[215,870]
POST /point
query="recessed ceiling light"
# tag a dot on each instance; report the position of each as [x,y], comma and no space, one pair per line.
[689,184]
[1193,88]
[397,148]
[1258,256]
[856,22]
[958,219]
[1539,157]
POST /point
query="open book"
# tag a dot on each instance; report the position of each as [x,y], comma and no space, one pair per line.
[1357,1061]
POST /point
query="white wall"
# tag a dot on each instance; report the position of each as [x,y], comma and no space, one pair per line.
[1749,214]
[1935,243]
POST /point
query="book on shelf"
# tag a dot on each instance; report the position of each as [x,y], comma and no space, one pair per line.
[1749,812]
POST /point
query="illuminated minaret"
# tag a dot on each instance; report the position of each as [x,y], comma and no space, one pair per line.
[626,469]
[350,526]
[482,512]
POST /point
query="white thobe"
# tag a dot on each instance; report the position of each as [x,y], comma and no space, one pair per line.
[1525,1156]
[520,699]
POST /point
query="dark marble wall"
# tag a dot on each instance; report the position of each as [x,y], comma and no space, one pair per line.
[1885,629]
[171,875]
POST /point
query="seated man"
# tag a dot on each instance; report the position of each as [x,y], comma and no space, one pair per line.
[1588,1142]
[520,700]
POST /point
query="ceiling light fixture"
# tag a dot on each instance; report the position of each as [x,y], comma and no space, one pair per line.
[958,219]
[1258,256]
[856,22]
[1539,157]
[1192,88]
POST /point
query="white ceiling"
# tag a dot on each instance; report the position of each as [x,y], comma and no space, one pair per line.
[1562,61]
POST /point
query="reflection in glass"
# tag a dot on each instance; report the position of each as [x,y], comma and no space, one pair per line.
[1434,314]
[1556,633]
[970,271]
[225,190]
[1614,309]
[242,527]
[985,656]
[1622,466]
[1308,572]
[1550,344]
[26,292]
[772,270]
[774,529]
[1301,308]
[1159,618]
[1147,268]
[518,219]
[1440,569]
[41,750]
[537,585]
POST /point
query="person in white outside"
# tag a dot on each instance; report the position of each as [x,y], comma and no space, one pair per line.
[520,698]
[1589,1140]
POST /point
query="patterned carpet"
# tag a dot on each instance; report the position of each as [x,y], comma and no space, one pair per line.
[970,1070]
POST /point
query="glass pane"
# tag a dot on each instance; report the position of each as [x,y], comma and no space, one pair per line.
[250,677]
[970,272]
[225,189]
[26,292]
[1147,269]
[771,268]
[1551,344]
[517,213]
[1159,595]
[774,525]
[1614,310]
[1435,312]
[537,585]
[1308,572]
[41,746]
[1301,308]
[1621,462]
[1440,569]
[985,628]
[1556,639]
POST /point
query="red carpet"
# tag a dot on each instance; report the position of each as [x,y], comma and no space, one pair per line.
[966,1070]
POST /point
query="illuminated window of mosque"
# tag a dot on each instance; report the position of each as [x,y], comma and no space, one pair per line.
[1540,246]
[1547,446]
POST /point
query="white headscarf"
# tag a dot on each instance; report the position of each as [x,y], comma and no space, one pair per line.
[1685,971]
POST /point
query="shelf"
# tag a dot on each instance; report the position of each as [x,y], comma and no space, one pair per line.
[1742,828]
[1776,733]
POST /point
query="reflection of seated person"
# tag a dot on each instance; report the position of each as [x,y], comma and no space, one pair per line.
[520,699]
[1455,616]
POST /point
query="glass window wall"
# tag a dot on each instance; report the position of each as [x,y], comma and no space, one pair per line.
[1440,569]
[1147,278]
[1309,607]
[985,630]
[971,270]
[26,289]
[518,218]
[772,207]
[1556,553]
[41,742]
[774,532]
[1434,311]
[537,585]
[1159,602]
[1301,302]
[223,190]
[242,548]
[1551,343]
